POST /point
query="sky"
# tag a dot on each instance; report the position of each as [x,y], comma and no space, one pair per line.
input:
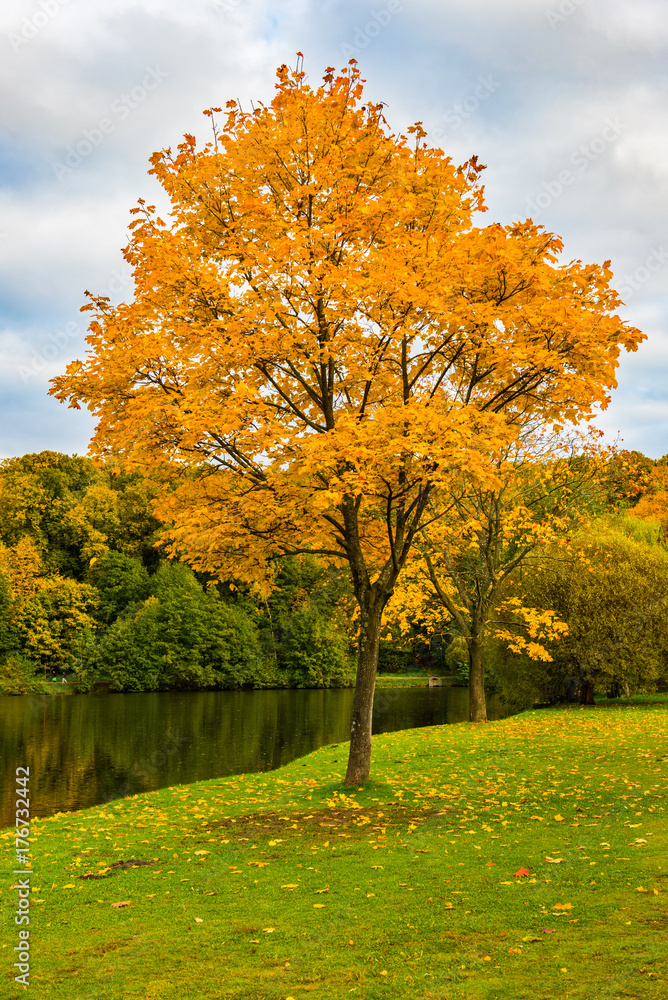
[563,100]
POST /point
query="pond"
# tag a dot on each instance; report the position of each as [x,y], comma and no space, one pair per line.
[86,749]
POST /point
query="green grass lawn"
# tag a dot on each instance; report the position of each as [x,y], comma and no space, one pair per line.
[526,858]
[402,680]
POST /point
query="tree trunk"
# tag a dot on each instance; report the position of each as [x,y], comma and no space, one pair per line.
[477,705]
[587,693]
[359,760]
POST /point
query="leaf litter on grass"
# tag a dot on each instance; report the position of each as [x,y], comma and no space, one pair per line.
[413,857]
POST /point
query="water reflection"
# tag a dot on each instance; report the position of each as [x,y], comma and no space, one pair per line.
[87,749]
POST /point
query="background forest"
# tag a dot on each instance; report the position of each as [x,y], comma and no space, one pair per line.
[87,591]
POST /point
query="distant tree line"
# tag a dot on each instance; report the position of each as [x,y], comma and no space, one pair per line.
[87,590]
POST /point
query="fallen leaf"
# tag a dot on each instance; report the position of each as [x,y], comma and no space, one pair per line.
[202,852]
[554,861]
[562,906]
[521,873]
[126,902]
[547,930]
[269,930]
[531,940]
[318,906]
[490,864]
[198,920]
[558,818]
[447,906]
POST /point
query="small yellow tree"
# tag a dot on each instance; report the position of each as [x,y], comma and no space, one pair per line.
[475,536]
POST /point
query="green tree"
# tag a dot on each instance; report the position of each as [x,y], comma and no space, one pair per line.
[121,581]
[612,592]
[315,653]
[179,637]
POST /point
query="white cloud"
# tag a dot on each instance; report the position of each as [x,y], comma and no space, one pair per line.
[558,83]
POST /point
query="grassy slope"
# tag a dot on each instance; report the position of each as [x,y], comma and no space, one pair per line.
[281,885]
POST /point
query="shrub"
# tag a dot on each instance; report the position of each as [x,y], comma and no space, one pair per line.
[17,676]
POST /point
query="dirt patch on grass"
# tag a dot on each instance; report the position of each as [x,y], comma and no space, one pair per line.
[116,867]
[322,824]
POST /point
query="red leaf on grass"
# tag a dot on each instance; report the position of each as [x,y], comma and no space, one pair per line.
[522,872]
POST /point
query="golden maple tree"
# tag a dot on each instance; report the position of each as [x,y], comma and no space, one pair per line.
[320,336]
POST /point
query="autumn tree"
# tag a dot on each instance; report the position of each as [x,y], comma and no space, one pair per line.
[653,504]
[320,337]
[73,511]
[45,615]
[477,535]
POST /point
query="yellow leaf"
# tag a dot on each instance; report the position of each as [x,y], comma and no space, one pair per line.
[318,906]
